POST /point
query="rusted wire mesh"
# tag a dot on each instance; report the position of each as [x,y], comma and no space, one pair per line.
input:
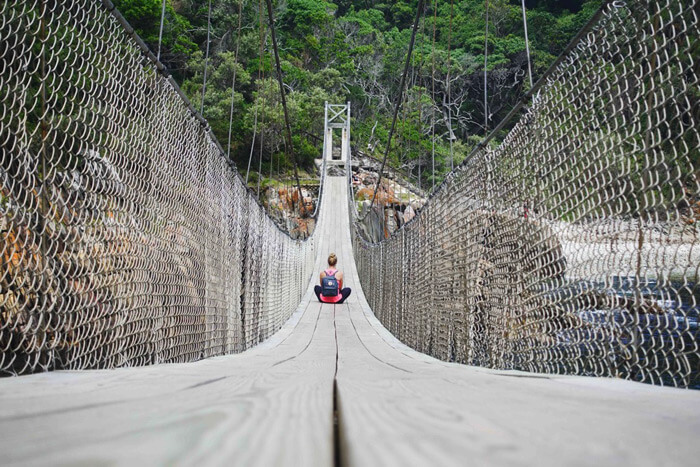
[572,247]
[126,238]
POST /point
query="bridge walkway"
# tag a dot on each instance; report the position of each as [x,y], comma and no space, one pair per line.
[274,404]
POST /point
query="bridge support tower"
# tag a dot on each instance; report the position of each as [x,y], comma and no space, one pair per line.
[337,116]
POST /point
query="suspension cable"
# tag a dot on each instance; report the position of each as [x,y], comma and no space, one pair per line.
[233,84]
[262,39]
[420,123]
[432,53]
[288,133]
[262,134]
[527,45]
[272,161]
[449,86]
[271,151]
[399,99]
[262,147]
[486,58]
[252,145]
[404,143]
[420,97]
[263,100]
[206,59]
[160,34]
[401,136]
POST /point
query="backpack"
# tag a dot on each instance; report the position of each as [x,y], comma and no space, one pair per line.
[329,285]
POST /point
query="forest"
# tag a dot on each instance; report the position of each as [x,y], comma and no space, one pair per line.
[355,51]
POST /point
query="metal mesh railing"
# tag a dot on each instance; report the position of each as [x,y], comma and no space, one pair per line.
[126,238]
[573,246]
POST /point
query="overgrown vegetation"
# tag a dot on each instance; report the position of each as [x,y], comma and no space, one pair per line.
[354,51]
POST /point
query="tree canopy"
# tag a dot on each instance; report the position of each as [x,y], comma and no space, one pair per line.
[354,51]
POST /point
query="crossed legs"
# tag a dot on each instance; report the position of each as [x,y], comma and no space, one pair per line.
[345,293]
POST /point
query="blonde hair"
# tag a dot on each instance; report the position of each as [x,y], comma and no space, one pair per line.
[332,259]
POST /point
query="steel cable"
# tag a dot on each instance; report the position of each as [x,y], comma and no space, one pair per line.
[399,99]
[126,235]
[572,246]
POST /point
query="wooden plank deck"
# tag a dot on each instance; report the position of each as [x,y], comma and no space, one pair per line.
[273,405]
[263,407]
[400,407]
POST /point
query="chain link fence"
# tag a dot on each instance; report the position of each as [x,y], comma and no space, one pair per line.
[126,238]
[571,247]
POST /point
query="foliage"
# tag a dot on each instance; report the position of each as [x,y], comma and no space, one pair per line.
[355,51]
[144,17]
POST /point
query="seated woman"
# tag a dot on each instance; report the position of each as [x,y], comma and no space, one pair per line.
[327,295]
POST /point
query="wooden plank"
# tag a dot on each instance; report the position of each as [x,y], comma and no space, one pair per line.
[272,408]
[399,407]
[273,405]
[399,410]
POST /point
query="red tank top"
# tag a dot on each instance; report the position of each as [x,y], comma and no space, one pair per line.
[336,299]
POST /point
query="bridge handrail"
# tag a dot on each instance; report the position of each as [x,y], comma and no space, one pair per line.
[127,236]
[573,246]
[162,69]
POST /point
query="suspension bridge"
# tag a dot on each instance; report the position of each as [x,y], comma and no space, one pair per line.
[154,314]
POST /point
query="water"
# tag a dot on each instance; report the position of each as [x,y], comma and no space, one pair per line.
[661,336]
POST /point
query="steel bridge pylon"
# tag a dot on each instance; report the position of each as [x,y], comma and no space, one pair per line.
[336,116]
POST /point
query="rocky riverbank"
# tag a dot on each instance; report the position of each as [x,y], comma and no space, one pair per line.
[283,206]
[396,203]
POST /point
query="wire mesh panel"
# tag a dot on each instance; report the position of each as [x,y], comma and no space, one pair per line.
[572,247]
[126,238]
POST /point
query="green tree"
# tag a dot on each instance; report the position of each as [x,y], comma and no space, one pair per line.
[144,16]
